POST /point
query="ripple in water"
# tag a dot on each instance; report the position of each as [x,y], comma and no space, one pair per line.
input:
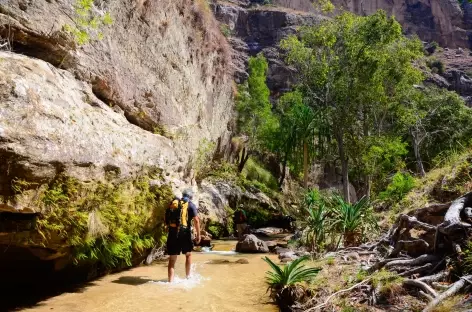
[194,280]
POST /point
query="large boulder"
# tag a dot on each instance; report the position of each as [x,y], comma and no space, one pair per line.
[251,244]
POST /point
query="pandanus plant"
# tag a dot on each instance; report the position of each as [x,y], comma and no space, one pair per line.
[352,220]
[283,281]
[316,222]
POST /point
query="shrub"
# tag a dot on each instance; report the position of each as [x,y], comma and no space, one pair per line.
[352,221]
[315,226]
[202,162]
[290,274]
[329,218]
[253,171]
[436,66]
[401,184]
[258,217]
[216,229]
[88,21]
[225,30]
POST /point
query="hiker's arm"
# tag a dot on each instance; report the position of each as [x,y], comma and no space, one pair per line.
[196,220]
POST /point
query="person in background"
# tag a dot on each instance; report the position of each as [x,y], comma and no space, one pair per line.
[240,219]
[178,218]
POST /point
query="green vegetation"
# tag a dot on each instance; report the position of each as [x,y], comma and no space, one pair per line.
[254,172]
[216,229]
[329,218]
[225,30]
[103,222]
[352,69]
[353,221]
[202,161]
[436,66]
[88,21]
[290,274]
[315,224]
[255,118]
[357,107]
[401,184]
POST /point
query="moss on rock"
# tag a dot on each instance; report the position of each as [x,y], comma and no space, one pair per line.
[105,222]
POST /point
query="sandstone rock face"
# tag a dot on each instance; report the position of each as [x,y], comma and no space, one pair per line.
[51,123]
[139,100]
[214,198]
[444,21]
[251,244]
[164,63]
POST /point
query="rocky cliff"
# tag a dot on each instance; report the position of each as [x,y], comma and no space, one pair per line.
[260,29]
[446,21]
[99,120]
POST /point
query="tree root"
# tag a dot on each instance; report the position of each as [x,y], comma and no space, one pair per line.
[335,294]
[423,286]
[411,263]
[451,291]
[379,265]
[434,278]
[439,286]
[417,270]
[425,295]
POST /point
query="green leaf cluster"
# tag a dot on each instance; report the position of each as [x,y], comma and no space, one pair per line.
[87,22]
[290,274]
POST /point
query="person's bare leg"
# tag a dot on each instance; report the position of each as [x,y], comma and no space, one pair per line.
[188,263]
[170,268]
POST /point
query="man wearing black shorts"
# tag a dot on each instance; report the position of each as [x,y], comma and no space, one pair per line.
[179,239]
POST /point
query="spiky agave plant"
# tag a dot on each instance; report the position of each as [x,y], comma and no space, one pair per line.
[289,274]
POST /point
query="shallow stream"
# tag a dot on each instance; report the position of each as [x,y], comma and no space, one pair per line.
[217,284]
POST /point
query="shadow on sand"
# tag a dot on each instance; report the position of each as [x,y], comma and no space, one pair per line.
[135,280]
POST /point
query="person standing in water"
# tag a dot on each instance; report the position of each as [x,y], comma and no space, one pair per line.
[178,219]
[240,218]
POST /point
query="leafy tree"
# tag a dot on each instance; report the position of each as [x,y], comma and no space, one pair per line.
[351,69]
[296,133]
[255,118]
[435,120]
